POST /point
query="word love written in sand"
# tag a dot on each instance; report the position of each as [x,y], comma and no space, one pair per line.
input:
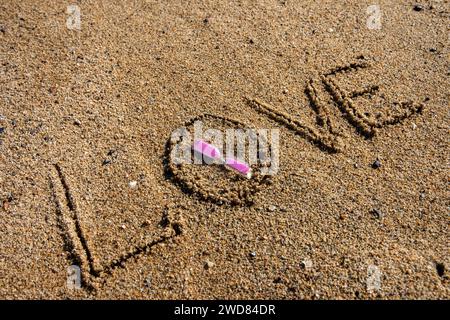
[327,136]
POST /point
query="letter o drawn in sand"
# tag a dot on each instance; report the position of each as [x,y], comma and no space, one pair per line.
[212,181]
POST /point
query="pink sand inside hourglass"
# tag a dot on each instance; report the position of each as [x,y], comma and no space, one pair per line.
[213,152]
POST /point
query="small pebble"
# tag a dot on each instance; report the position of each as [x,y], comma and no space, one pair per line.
[414,126]
[377,213]
[418,7]
[209,264]
[252,254]
[330,30]
[148,282]
[433,50]
[132,184]
[285,91]
[376,164]
[306,264]
[272,208]
[77,122]
[123,227]
[111,155]
[2,130]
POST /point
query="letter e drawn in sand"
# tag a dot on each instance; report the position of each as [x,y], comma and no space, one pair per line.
[365,125]
[83,244]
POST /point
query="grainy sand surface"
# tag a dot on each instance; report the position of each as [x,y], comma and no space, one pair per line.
[85,112]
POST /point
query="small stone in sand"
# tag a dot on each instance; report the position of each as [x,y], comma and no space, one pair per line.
[272,208]
[306,264]
[2,130]
[414,126]
[418,7]
[148,282]
[111,155]
[376,164]
[252,254]
[209,264]
[377,213]
[123,227]
[132,184]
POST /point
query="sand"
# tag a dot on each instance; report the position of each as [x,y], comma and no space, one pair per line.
[357,210]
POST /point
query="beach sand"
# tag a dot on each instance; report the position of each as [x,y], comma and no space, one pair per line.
[358,208]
